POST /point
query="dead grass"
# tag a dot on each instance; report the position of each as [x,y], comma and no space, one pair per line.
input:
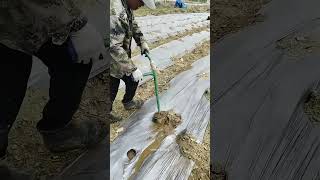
[169,9]
[232,15]
[198,153]
[160,42]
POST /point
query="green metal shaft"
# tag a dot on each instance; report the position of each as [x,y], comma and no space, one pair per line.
[156,88]
[155,81]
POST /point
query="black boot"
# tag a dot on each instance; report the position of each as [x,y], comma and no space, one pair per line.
[134,104]
[114,118]
[75,135]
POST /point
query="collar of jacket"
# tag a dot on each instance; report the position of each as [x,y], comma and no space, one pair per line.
[128,10]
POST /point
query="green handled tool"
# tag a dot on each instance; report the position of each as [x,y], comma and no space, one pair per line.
[153,73]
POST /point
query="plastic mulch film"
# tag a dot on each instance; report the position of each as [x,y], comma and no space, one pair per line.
[163,26]
[162,55]
[197,4]
[91,165]
[187,88]
[261,126]
[186,96]
[152,23]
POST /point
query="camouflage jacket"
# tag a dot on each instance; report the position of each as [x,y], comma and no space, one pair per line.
[25,25]
[123,29]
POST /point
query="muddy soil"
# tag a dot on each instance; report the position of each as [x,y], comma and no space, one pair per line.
[228,16]
[26,150]
[312,107]
[165,123]
[168,119]
[297,46]
[198,153]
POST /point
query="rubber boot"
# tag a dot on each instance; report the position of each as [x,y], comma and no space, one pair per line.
[75,135]
[114,118]
[134,104]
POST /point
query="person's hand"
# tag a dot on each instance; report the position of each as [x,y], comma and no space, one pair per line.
[88,45]
[144,48]
[137,75]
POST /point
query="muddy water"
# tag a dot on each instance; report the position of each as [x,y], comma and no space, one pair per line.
[165,123]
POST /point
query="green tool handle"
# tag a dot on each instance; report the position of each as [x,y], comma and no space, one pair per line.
[156,88]
[155,81]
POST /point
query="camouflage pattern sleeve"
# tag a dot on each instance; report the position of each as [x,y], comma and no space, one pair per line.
[76,11]
[137,34]
[26,25]
[121,64]
[77,21]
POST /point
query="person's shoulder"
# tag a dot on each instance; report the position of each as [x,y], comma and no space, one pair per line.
[116,8]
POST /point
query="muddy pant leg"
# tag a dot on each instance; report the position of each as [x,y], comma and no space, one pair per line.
[114,87]
[14,74]
[67,82]
[131,88]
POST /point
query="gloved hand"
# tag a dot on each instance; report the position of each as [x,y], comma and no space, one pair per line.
[88,45]
[137,75]
[144,48]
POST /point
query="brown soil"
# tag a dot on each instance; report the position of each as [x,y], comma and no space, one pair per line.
[131,154]
[218,172]
[312,107]
[232,15]
[218,176]
[297,46]
[207,94]
[167,119]
[198,153]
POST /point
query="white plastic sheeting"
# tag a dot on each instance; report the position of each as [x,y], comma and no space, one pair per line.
[199,4]
[162,55]
[185,97]
[163,26]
